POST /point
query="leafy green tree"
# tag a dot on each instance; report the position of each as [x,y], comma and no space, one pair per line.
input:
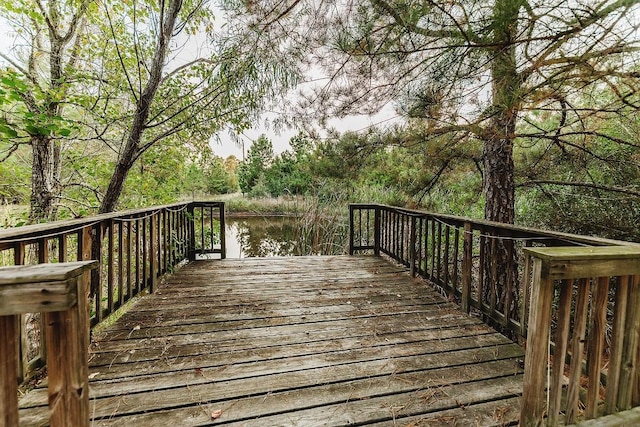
[289,172]
[195,181]
[591,187]
[220,180]
[14,179]
[42,74]
[82,73]
[231,164]
[259,158]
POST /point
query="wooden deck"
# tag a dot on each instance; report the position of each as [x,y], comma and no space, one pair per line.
[298,341]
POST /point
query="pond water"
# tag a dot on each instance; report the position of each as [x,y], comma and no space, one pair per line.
[285,236]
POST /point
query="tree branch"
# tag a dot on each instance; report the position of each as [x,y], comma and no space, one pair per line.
[580,184]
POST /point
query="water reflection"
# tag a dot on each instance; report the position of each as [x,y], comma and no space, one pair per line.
[283,236]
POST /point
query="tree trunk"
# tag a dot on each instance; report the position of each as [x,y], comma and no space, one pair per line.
[498,142]
[116,184]
[133,149]
[44,182]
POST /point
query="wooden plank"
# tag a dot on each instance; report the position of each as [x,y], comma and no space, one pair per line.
[577,349]
[153,259]
[121,264]
[343,327]
[110,268]
[372,400]
[13,275]
[260,316]
[453,405]
[509,292]
[96,283]
[281,374]
[493,283]
[37,297]
[559,355]
[112,365]
[19,255]
[8,369]
[596,346]
[481,270]
[456,261]
[355,333]
[628,377]
[617,344]
[447,262]
[537,356]
[591,253]
[467,265]
[66,335]
[129,264]
[525,288]
[39,287]
[492,413]
[67,342]
[396,318]
[576,262]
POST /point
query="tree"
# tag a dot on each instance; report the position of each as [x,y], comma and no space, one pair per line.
[220,178]
[259,158]
[112,76]
[42,74]
[289,173]
[473,69]
[191,101]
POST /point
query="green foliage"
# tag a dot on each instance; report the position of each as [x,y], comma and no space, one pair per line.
[259,158]
[221,176]
[14,178]
[17,121]
[260,188]
[263,174]
[589,188]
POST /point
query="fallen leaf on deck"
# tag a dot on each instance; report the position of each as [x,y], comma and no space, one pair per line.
[95,374]
[216,414]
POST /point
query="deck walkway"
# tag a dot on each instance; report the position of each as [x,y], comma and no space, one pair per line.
[298,341]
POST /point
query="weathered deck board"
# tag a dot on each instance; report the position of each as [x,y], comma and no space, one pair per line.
[297,341]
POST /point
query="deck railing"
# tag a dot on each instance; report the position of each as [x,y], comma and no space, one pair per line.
[596,289]
[134,249]
[484,266]
[59,291]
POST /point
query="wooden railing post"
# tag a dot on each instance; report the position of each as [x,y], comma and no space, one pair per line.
[537,352]
[376,231]
[192,232]
[467,264]
[543,386]
[153,253]
[223,240]
[9,325]
[60,292]
[412,246]
[351,230]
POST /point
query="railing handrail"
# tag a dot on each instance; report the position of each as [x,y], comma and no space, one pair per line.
[569,268]
[487,268]
[59,291]
[134,249]
[34,230]
[517,230]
